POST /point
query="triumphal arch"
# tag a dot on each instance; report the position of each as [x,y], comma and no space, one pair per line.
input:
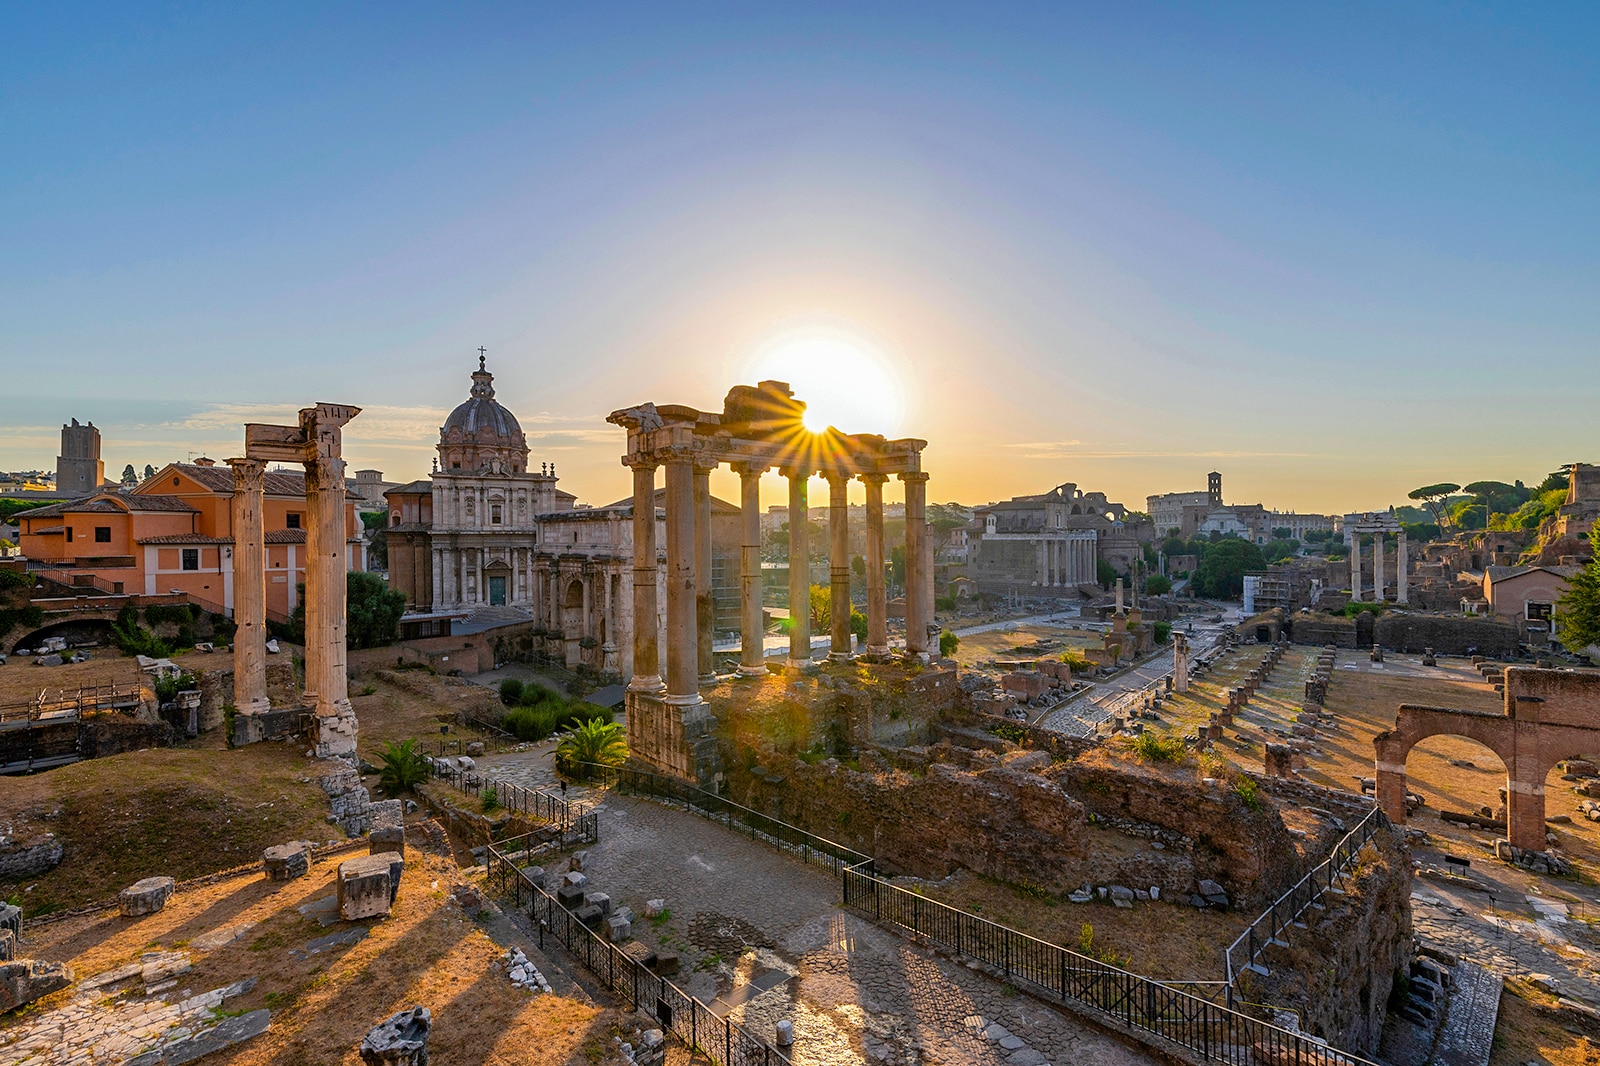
[316,443]
[759,428]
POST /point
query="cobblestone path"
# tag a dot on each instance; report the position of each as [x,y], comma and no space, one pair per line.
[742,913]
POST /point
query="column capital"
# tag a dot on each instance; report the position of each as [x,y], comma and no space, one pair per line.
[873,479]
[913,475]
[795,473]
[704,463]
[641,462]
[836,478]
[242,465]
[749,469]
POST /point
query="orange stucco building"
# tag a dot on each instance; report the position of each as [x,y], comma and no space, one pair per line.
[174,533]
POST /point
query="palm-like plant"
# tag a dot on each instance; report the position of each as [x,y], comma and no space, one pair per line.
[593,741]
[402,768]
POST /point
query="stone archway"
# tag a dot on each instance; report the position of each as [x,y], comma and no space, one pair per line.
[1549,715]
[574,626]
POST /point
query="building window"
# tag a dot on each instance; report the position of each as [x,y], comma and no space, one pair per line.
[102,534]
[494,514]
[191,559]
[1538,612]
[292,521]
[69,534]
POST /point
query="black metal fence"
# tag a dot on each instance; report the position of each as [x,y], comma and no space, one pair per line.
[1272,926]
[533,802]
[791,840]
[1212,1031]
[718,1038]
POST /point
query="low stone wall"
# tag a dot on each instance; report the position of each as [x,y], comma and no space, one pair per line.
[1447,636]
[1339,972]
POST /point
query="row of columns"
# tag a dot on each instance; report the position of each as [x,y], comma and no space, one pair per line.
[690,607]
[1065,562]
[1378,581]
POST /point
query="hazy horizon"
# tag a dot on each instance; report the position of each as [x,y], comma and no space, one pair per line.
[1335,254]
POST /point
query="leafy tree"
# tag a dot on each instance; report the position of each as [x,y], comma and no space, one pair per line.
[948,642]
[1157,585]
[1497,496]
[858,566]
[1556,479]
[149,471]
[511,691]
[1105,573]
[400,768]
[1434,497]
[378,549]
[1578,612]
[373,615]
[822,612]
[1221,572]
[129,474]
[1282,532]
[595,741]
[897,565]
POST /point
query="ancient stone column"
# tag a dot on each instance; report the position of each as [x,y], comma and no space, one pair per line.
[705,599]
[1180,662]
[326,594]
[1400,569]
[916,484]
[1355,567]
[683,655]
[839,566]
[1120,609]
[1377,567]
[249,587]
[877,598]
[752,651]
[1042,577]
[799,570]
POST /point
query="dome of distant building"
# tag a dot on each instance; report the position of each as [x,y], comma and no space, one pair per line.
[480,434]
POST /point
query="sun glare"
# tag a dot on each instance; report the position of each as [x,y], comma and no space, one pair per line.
[843,381]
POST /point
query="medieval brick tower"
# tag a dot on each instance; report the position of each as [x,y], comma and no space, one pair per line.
[79,470]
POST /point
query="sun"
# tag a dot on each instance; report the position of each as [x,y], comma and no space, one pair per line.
[844,381]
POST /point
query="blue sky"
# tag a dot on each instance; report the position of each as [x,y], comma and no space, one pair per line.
[1334,252]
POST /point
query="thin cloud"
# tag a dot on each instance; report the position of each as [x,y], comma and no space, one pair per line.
[1073,449]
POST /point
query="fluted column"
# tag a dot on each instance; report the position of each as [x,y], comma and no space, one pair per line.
[705,598]
[799,569]
[752,634]
[325,587]
[646,661]
[877,597]
[1377,567]
[683,684]
[1355,566]
[249,587]
[839,566]
[916,485]
[1400,569]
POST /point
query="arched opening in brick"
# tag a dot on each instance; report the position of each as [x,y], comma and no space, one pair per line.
[1456,773]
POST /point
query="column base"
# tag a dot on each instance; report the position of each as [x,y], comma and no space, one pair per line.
[259,705]
[753,671]
[839,656]
[693,699]
[709,680]
[803,666]
[336,732]
[878,650]
[650,684]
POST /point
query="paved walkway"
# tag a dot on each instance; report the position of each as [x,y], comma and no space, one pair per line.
[764,934]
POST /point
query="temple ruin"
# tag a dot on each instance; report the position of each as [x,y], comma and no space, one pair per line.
[315,443]
[759,428]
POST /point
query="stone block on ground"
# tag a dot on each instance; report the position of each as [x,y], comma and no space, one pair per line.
[619,930]
[24,980]
[386,838]
[285,862]
[400,1040]
[653,908]
[387,814]
[598,899]
[589,915]
[145,897]
[666,963]
[364,889]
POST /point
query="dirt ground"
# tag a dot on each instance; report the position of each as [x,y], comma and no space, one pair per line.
[427,952]
[1020,643]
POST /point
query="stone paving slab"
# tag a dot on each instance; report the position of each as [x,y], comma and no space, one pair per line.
[1467,1036]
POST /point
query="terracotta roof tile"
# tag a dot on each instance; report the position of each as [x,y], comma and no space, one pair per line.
[185,538]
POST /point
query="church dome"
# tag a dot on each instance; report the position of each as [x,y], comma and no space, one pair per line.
[480,434]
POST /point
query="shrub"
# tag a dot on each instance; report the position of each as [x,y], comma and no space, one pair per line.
[530,723]
[1079,664]
[401,768]
[1356,607]
[135,639]
[1163,631]
[1152,747]
[594,741]
[1157,585]
[511,692]
[948,643]
[490,799]
[1247,791]
[168,686]
[15,579]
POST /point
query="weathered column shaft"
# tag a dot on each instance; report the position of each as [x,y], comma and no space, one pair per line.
[705,596]
[799,570]
[249,587]
[1377,568]
[877,596]
[839,565]
[1355,566]
[752,639]
[1400,591]
[916,485]
[682,638]
[325,586]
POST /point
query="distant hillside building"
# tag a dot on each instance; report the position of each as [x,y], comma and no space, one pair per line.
[1050,544]
[1191,514]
